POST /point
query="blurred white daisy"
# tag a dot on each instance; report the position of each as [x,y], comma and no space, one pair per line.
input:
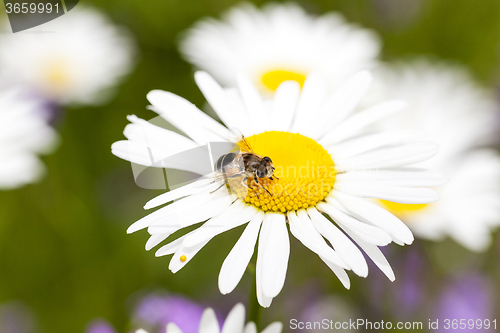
[76,58]
[460,116]
[234,323]
[278,43]
[24,133]
[322,164]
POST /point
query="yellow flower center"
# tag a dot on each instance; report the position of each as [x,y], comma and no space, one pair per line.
[273,79]
[57,74]
[305,173]
[402,210]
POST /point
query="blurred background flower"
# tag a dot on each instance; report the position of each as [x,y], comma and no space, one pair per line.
[17,317]
[154,311]
[64,253]
[24,133]
[76,58]
[455,112]
[466,296]
[100,326]
[277,43]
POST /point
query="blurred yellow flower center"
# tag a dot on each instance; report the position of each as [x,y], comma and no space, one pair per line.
[273,79]
[56,74]
[402,210]
[305,173]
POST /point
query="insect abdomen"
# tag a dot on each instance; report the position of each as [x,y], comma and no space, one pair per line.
[223,161]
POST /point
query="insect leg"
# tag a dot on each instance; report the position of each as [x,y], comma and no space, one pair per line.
[265,189]
[218,188]
[260,185]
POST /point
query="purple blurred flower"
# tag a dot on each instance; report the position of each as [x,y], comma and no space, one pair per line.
[156,311]
[411,285]
[404,297]
[465,298]
[16,317]
[100,326]
[333,307]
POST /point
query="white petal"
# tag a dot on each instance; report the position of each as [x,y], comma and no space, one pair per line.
[223,103]
[186,217]
[340,273]
[176,263]
[312,96]
[353,125]
[372,213]
[406,195]
[274,247]
[284,104]
[145,132]
[236,262]
[235,320]
[209,322]
[172,214]
[342,102]
[315,242]
[345,248]
[250,328]
[375,254]
[155,156]
[302,228]
[233,217]
[370,142]
[370,234]
[396,177]
[156,239]
[172,328]
[263,300]
[275,327]
[253,102]
[239,117]
[389,157]
[187,117]
[194,242]
[172,247]
[180,192]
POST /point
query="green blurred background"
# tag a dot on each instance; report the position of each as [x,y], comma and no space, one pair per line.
[64,251]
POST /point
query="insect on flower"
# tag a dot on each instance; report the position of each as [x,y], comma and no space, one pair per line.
[244,166]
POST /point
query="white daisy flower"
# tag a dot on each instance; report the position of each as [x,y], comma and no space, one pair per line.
[234,323]
[24,133]
[278,43]
[76,58]
[459,116]
[322,166]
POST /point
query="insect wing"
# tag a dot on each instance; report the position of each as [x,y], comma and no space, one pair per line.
[238,138]
[211,178]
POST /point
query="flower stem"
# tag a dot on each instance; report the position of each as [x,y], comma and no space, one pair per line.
[254,308]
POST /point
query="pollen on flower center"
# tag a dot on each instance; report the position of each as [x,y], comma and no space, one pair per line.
[274,78]
[305,173]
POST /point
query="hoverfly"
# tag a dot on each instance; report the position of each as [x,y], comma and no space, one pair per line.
[245,164]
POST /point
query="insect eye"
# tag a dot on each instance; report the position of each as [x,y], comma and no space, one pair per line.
[261,174]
